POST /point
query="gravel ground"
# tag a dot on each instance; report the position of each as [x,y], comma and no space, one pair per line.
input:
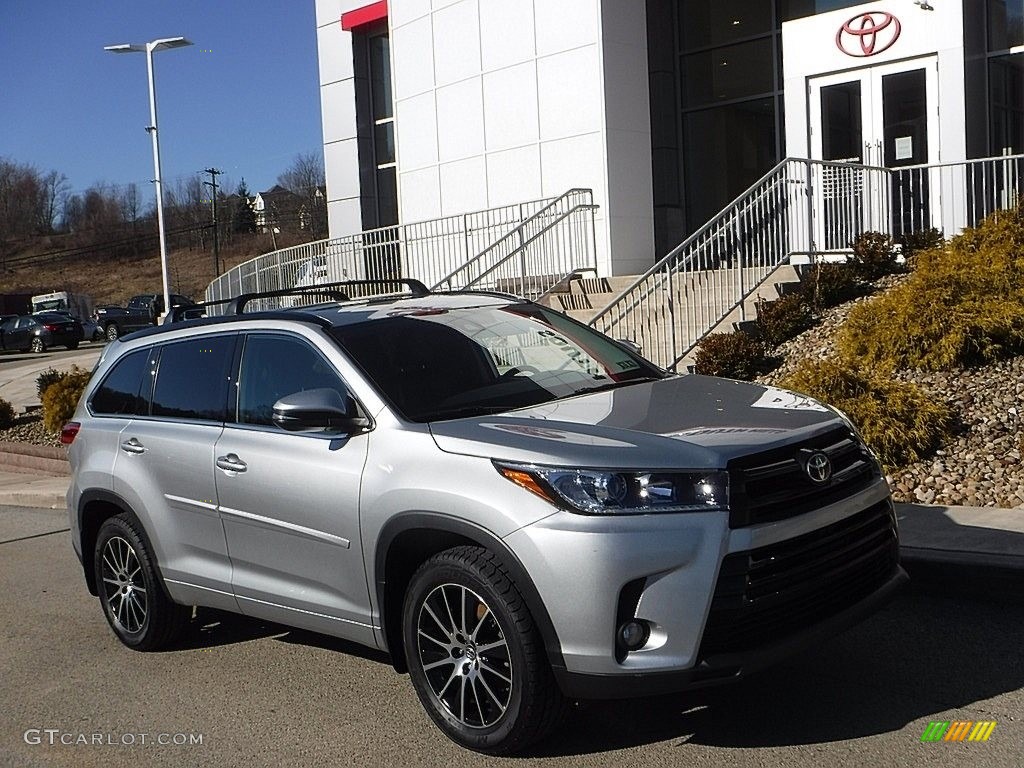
[29,429]
[981,465]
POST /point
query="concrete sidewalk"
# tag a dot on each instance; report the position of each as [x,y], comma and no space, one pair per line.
[18,373]
[930,536]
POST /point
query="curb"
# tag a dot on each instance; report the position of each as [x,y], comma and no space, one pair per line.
[36,459]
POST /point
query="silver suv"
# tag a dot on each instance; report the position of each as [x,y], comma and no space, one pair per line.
[519,510]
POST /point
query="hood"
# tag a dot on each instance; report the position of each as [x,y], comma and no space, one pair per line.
[686,421]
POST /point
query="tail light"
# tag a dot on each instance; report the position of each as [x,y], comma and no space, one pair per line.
[51,327]
[69,432]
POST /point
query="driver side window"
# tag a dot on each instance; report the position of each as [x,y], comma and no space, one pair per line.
[274,366]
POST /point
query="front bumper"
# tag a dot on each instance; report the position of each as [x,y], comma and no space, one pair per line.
[720,601]
[724,668]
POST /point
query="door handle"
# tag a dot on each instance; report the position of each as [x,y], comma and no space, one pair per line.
[231,463]
[133,446]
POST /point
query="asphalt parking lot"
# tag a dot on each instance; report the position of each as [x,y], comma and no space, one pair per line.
[260,694]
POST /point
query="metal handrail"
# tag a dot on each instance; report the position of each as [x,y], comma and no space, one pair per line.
[800,206]
[510,236]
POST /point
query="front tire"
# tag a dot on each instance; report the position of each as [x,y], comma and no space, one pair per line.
[112,333]
[475,656]
[134,601]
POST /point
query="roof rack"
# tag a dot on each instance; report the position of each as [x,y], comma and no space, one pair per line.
[331,291]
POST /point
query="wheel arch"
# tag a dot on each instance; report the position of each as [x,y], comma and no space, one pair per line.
[95,507]
[409,539]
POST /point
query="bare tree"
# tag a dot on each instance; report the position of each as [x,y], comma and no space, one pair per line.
[53,187]
[305,178]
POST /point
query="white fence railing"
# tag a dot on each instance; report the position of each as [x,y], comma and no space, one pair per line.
[804,208]
[426,250]
[534,256]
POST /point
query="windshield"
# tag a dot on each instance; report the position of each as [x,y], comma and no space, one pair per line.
[434,364]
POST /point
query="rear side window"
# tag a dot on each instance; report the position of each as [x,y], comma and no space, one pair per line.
[119,394]
[192,378]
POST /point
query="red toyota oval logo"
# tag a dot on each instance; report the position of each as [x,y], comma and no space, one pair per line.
[868,34]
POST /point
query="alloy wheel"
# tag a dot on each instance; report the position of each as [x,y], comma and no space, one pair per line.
[37,345]
[464,655]
[123,585]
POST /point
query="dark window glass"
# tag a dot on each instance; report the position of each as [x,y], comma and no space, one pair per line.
[796,9]
[384,143]
[387,197]
[905,118]
[730,72]
[191,382]
[1005,24]
[276,366]
[1006,97]
[703,24]
[841,137]
[726,150]
[380,76]
[119,394]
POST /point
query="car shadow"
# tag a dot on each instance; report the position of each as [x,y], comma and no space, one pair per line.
[922,655]
[211,628]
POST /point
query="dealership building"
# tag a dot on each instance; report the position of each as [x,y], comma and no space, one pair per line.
[666,109]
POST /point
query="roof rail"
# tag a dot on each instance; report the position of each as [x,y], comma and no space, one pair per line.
[331,291]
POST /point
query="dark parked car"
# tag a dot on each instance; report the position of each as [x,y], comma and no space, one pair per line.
[141,312]
[38,332]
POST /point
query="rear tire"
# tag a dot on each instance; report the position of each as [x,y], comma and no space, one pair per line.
[134,601]
[38,345]
[112,333]
[475,656]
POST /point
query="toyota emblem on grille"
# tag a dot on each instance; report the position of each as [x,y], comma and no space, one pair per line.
[819,468]
[867,34]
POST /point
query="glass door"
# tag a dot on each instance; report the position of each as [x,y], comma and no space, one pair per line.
[873,118]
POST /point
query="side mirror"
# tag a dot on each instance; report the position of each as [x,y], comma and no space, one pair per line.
[631,345]
[319,409]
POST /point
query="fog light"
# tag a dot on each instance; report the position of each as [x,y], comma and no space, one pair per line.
[634,634]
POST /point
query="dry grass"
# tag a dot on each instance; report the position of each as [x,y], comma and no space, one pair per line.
[113,280]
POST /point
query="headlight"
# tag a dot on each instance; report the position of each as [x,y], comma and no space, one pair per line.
[608,492]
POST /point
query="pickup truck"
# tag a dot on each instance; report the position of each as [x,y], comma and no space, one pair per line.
[141,312]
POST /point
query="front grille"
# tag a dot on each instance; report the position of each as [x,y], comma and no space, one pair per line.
[767,594]
[774,485]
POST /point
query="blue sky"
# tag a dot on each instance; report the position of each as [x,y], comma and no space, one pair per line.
[243,98]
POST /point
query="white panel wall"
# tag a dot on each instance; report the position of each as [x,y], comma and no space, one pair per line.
[337,107]
[503,101]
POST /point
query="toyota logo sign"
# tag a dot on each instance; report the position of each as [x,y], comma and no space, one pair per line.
[868,34]
[818,468]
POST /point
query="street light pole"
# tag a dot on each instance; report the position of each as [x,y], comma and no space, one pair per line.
[149,48]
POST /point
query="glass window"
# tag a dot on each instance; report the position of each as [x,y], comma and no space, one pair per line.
[387,197]
[1006,101]
[1005,24]
[380,76]
[119,394]
[703,24]
[384,142]
[726,150]
[192,378]
[276,366]
[841,137]
[796,9]
[729,72]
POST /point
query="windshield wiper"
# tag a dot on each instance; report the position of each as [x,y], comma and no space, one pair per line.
[613,385]
[465,411]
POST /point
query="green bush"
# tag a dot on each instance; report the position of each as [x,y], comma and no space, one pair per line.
[6,414]
[829,285]
[734,355]
[874,256]
[923,240]
[899,421]
[782,319]
[963,304]
[61,398]
[46,378]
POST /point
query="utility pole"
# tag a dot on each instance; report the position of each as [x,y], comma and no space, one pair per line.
[212,183]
